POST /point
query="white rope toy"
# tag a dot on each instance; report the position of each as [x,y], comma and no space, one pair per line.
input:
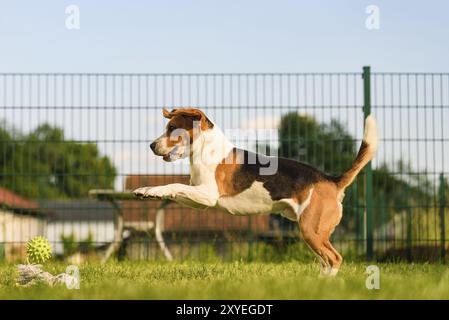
[32,274]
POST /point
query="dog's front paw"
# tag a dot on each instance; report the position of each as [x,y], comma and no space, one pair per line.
[153,193]
[143,192]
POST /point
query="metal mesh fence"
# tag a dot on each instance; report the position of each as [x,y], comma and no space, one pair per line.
[65,134]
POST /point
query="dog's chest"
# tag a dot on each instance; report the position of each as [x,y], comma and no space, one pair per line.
[254,200]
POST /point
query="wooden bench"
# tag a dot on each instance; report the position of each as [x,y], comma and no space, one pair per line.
[114,197]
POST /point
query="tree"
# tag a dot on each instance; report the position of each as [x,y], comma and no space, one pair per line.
[325,146]
[43,164]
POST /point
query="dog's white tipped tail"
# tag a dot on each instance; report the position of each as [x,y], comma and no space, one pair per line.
[370,133]
[365,154]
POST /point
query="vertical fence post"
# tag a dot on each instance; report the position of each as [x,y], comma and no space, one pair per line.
[442,218]
[368,169]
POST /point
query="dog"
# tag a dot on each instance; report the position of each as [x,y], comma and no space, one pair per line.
[225,177]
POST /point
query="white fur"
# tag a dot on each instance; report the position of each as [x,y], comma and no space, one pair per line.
[257,200]
[333,272]
[208,150]
[305,204]
[288,208]
[193,196]
[294,209]
[254,200]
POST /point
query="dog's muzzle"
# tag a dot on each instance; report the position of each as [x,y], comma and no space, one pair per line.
[173,155]
[168,155]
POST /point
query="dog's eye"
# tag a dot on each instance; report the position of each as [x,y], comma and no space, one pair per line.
[171,128]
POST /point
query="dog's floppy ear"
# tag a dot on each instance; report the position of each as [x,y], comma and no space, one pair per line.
[195,114]
[167,114]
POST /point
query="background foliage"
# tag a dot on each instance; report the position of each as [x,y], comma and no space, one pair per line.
[44,164]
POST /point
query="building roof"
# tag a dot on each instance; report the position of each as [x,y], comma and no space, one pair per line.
[18,204]
[13,200]
[79,210]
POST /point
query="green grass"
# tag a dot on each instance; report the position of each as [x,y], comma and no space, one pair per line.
[239,280]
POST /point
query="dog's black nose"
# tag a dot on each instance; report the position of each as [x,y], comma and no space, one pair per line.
[153,146]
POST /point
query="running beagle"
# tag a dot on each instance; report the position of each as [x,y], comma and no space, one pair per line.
[234,180]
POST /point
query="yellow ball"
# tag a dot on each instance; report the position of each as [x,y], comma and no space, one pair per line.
[38,250]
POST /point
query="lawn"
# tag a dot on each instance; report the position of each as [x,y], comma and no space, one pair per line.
[238,280]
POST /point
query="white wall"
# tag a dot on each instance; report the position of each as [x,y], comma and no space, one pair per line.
[102,231]
[20,228]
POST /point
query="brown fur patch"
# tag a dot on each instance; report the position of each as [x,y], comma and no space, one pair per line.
[300,196]
[176,123]
[192,115]
[224,174]
[184,119]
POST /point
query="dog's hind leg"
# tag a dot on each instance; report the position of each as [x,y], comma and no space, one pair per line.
[317,223]
[338,258]
[317,245]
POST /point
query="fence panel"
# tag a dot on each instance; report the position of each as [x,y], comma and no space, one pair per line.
[411,167]
[63,134]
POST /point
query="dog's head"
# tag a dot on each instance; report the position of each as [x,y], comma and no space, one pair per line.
[184,127]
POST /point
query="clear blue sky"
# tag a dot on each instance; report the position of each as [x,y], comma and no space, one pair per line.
[223,36]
